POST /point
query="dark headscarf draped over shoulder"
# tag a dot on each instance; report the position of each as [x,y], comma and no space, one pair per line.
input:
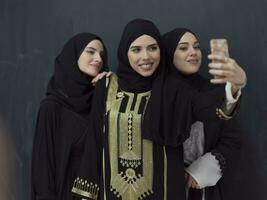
[70,86]
[129,79]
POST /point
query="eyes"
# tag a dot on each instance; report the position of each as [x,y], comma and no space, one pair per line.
[185,47]
[91,52]
[150,48]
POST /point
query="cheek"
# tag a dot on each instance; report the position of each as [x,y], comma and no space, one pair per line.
[200,55]
[132,59]
[82,60]
[80,63]
[178,61]
[156,57]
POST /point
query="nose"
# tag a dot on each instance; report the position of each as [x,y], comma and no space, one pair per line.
[97,57]
[192,51]
[145,55]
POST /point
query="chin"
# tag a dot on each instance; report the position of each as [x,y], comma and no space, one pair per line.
[147,73]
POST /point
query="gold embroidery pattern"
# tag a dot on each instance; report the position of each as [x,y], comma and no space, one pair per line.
[129,186]
[84,188]
[130,126]
[131,158]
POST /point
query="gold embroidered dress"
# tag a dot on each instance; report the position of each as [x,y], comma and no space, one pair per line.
[132,168]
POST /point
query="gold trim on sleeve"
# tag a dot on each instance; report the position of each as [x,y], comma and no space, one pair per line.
[222,115]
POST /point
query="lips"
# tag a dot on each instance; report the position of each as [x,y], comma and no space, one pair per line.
[192,61]
[95,65]
[146,65]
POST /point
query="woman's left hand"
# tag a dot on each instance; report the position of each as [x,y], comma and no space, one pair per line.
[226,70]
[191,182]
[100,76]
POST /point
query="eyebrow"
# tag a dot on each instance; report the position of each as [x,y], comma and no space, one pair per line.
[188,42]
[90,48]
[94,49]
[154,44]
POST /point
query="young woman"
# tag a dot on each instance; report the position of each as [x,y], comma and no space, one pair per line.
[63,117]
[212,145]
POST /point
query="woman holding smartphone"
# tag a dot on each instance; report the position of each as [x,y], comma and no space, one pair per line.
[213,145]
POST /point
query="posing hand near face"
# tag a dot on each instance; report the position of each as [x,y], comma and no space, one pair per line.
[100,76]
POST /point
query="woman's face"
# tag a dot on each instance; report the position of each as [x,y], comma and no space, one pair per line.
[144,55]
[187,56]
[90,61]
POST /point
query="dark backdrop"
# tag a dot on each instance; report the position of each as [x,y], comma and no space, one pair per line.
[33,32]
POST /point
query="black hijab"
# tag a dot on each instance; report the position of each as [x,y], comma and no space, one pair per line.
[70,86]
[129,79]
[170,41]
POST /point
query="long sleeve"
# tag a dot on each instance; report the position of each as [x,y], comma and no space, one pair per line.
[43,155]
[209,168]
[215,102]
[229,143]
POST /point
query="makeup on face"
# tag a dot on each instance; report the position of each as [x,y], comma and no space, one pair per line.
[144,55]
[187,56]
[90,61]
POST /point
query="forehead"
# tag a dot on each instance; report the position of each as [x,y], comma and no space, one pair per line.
[188,37]
[96,44]
[143,40]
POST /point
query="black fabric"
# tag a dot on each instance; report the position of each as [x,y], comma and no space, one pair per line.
[61,124]
[57,151]
[129,79]
[223,138]
[169,113]
[68,84]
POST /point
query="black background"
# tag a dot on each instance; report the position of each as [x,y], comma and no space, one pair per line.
[33,32]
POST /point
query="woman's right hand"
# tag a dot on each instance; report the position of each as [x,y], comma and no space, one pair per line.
[100,76]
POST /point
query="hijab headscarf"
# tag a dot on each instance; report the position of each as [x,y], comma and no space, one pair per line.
[170,42]
[69,85]
[169,122]
[129,79]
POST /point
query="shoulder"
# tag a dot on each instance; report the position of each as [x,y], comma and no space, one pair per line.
[49,107]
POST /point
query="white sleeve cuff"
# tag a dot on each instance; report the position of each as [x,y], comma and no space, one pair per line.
[205,170]
[229,95]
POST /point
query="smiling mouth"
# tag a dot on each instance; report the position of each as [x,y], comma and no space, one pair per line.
[194,61]
[95,65]
[146,65]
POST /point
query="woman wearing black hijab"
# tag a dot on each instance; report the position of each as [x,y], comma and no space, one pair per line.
[63,117]
[119,162]
[212,146]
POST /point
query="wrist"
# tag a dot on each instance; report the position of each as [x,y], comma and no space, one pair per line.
[234,89]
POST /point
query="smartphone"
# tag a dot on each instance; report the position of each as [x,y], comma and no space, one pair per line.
[219,47]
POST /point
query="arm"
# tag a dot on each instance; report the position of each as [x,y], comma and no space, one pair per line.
[43,155]
[208,169]
[227,70]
